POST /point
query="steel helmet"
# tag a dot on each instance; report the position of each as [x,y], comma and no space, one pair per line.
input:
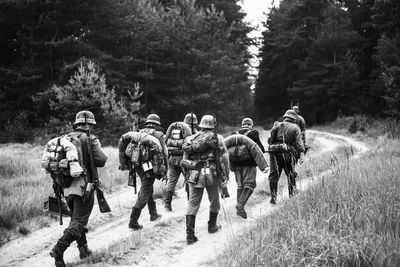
[84,116]
[290,113]
[296,109]
[247,123]
[153,118]
[190,118]
[207,122]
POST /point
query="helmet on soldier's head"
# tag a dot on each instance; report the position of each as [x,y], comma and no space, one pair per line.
[190,118]
[290,114]
[153,118]
[247,123]
[83,117]
[296,109]
[207,122]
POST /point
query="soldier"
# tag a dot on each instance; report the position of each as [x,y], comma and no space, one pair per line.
[301,123]
[175,135]
[285,147]
[245,171]
[191,120]
[80,206]
[199,159]
[145,195]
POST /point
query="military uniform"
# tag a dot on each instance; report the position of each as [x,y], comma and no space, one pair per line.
[288,133]
[301,123]
[245,171]
[145,195]
[202,154]
[175,135]
[80,208]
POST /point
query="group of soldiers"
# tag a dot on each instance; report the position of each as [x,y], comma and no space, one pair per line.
[199,153]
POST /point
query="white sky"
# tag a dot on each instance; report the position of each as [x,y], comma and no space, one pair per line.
[257,11]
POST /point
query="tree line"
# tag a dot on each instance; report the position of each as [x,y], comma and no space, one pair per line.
[333,57]
[182,56]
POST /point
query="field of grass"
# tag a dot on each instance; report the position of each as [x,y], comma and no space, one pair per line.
[349,218]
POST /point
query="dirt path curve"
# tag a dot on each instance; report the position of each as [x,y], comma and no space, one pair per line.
[161,243]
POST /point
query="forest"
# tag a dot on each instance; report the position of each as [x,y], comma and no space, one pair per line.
[128,58]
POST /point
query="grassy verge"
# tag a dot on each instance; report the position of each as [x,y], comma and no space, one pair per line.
[350,218]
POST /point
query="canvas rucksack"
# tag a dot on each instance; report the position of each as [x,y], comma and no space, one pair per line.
[239,152]
[144,152]
[62,158]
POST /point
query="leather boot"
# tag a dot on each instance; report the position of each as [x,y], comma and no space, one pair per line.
[83,248]
[190,224]
[153,210]
[212,223]
[168,200]
[244,197]
[133,222]
[58,250]
[239,192]
[274,190]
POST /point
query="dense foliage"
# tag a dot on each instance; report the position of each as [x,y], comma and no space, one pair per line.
[185,56]
[331,57]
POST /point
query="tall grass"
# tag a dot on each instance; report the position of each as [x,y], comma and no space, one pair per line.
[350,218]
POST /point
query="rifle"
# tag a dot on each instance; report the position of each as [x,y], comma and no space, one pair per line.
[191,122]
[92,177]
[132,177]
[59,203]
[223,182]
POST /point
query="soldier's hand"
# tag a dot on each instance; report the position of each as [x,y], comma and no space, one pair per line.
[266,170]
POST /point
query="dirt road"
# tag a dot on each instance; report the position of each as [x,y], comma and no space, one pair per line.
[162,243]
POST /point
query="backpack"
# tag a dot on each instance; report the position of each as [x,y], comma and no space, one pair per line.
[143,152]
[239,152]
[176,132]
[62,158]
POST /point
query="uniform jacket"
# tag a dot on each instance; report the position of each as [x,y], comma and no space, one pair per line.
[78,185]
[301,122]
[287,132]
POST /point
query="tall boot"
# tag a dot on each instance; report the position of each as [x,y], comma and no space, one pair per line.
[133,222]
[190,224]
[168,200]
[83,248]
[58,250]
[244,197]
[151,205]
[274,190]
[239,192]
[212,223]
